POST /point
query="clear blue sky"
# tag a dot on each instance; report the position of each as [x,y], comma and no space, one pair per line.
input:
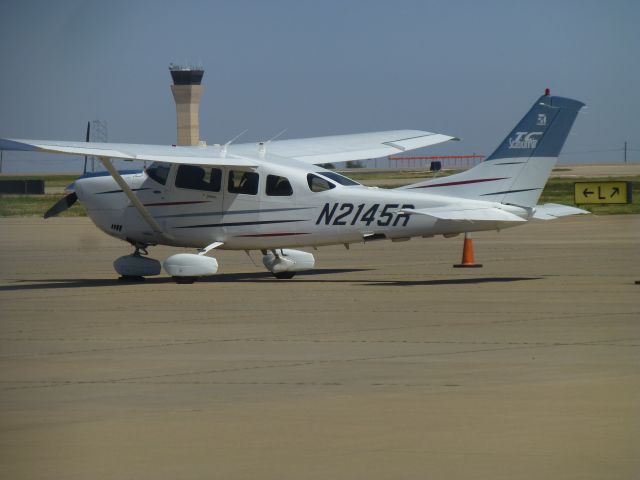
[466,68]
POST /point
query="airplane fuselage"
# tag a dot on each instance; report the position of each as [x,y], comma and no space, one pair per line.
[315,207]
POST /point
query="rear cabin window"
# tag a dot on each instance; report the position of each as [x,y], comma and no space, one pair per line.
[198,178]
[243,182]
[278,186]
[318,184]
[159,172]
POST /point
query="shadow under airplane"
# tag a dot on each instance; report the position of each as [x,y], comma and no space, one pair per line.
[315,276]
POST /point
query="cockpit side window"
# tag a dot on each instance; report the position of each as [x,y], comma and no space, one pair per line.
[278,186]
[199,178]
[159,172]
[341,179]
[243,182]
[318,184]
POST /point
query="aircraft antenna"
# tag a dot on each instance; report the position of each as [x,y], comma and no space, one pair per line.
[262,146]
[236,137]
[273,138]
[223,149]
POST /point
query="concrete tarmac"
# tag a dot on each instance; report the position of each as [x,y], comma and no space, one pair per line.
[384,362]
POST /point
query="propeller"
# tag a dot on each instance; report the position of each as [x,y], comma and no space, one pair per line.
[61,205]
[68,200]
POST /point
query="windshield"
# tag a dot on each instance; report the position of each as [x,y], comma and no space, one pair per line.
[319,184]
[341,179]
[159,172]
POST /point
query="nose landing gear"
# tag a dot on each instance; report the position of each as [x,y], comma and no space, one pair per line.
[134,267]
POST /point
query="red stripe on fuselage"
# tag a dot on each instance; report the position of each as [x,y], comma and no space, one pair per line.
[462,182]
[271,234]
[173,203]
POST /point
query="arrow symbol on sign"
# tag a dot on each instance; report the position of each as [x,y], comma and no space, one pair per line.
[616,191]
[586,192]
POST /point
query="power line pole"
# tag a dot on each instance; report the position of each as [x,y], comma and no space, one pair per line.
[625,152]
[98,134]
[1,153]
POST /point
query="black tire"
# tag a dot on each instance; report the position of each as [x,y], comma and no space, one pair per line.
[184,280]
[131,278]
[284,275]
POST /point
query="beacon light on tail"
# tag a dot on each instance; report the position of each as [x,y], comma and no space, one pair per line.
[273,197]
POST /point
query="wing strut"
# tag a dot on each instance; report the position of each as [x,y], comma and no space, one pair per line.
[155,226]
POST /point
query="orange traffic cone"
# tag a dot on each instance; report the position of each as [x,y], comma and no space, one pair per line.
[467,255]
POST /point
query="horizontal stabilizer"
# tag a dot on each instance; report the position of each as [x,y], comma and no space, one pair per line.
[485,214]
[551,211]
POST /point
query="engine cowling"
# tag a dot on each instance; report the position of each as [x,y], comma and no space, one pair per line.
[190,265]
[288,260]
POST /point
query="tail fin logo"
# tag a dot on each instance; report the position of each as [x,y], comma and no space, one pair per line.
[542,120]
[526,140]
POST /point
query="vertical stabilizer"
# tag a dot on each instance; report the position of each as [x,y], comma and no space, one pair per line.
[517,171]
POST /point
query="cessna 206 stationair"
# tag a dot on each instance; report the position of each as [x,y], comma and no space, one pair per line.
[272,197]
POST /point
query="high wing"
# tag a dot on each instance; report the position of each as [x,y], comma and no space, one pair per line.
[130,151]
[359,146]
[315,150]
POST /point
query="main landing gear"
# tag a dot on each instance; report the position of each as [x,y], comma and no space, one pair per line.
[284,263]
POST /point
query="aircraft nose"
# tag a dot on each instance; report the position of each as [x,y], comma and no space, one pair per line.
[78,187]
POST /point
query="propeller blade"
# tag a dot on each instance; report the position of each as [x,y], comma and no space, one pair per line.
[62,205]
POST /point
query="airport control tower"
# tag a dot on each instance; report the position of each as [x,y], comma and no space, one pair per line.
[187,91]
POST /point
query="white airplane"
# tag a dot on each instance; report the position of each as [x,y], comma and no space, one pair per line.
[272,197]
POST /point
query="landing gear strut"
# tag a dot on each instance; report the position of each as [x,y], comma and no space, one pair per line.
[279,257]
[140,250]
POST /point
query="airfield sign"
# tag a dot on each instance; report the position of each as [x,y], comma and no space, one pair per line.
[602,192]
